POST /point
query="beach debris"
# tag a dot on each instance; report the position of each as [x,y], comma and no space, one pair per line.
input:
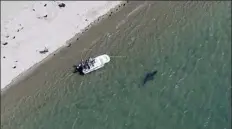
[4,57]
[14,67]
[149,77]
[110,13]
[45,5]
[5,43]
[42,17]
[19,29]
[16,61]
[86,19]
[13,37]
[61,5]
[7,36]
[43,51]
[33,9]
[69,45]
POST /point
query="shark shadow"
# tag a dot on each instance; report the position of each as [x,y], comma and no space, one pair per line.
[149,77]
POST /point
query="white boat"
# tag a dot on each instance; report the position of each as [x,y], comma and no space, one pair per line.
[93,64]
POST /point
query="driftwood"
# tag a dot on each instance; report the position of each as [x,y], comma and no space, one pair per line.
[43,51]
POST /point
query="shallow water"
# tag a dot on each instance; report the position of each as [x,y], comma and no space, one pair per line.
[188,43]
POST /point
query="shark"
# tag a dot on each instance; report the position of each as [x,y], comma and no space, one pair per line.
[149,76]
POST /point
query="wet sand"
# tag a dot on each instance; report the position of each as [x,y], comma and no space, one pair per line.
[31,82]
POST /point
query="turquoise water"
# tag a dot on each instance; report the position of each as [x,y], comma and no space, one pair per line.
[188,43]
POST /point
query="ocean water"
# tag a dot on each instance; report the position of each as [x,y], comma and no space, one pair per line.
[188,43]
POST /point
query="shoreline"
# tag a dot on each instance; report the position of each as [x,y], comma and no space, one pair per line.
[35,81]
[25,74]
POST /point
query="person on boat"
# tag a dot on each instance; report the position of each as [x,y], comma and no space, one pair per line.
[91,61]
[86,64]
[82,63]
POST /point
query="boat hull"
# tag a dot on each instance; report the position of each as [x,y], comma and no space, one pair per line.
[100,61]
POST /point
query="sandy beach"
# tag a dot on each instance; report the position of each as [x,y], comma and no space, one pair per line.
[31,31]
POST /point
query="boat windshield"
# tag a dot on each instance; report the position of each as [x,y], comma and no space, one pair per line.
[88,63]
[91,61]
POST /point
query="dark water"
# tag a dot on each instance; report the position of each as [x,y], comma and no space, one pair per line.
[188,43]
